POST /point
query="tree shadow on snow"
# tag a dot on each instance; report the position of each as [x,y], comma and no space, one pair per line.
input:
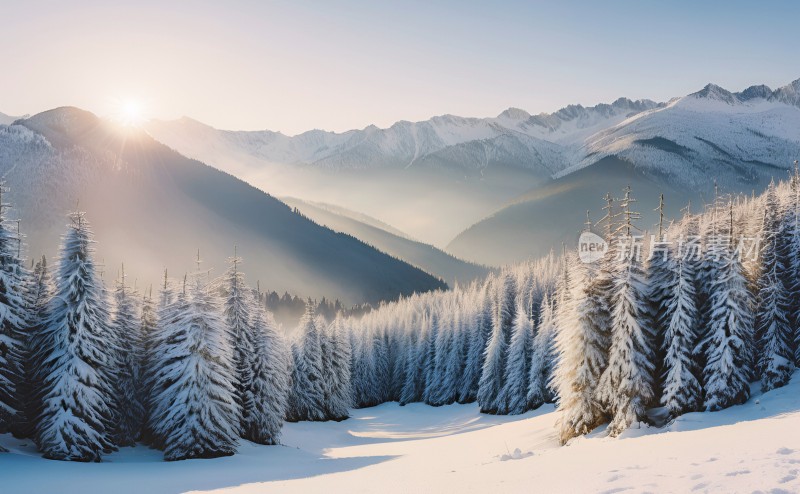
[142,470]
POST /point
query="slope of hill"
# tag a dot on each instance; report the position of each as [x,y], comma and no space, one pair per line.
[152,207]
[546,217]
[416,448]
[423,256]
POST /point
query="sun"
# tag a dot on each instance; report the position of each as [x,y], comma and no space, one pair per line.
[130,112]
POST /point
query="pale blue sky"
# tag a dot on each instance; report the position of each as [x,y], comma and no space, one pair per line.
[336,65]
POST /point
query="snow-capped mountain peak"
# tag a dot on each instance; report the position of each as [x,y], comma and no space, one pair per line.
[515,114]
[789,94]
[755,92]
[714,92]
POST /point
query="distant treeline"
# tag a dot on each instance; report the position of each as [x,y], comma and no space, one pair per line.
[287,309]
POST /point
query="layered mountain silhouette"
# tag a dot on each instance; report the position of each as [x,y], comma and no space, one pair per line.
[153,208]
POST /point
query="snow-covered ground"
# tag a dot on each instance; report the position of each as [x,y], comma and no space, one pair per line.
[750,448]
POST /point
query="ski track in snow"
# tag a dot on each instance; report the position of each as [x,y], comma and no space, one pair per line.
[754,447]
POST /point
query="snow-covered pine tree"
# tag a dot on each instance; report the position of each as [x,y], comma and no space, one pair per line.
[658,289]
[774,333]
[170,305]
[382,375]
[730,329]
[148,320]
[626,386]
[476,325]
[13,318]
[195,407]
[432,337]
[237,309]
[77,379]
[444,384]
[494,362]
[776,362]
[543,358]
[338,383]
[394,342]
[416,353]
[580,345]
[307,396]
[493,370]
[791,242]
[39,292]
[325,352]
[678,316]
[603,275]
[266,396]
[361,369]
[518,363]
[454,367]
[711,229]
[130,410]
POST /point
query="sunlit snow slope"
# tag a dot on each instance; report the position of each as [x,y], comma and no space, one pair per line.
[754,447]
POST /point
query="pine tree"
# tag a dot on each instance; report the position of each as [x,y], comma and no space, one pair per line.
[713,236]
[543,358]
[773,330]
[453,370]
[307,397]
[477,329]
[238,321]
[361,368]
[39,292]
[326,356]
[603,275]
[156,338]
[417,350]
[730,327]
[494,362]
[678,316]
[129,384]
[432,337]
[266,397]
[443,388]
[147,332]
[13,318]
[195,410]
[791,241]
[77,379]
[581,349]
[381,377]
[518,364]
[659,278]
[625,388]
[338,384]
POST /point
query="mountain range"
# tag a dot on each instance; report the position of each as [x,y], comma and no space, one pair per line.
[502,189]
[434,200]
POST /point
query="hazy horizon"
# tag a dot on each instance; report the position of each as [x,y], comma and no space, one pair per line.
[293,67]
